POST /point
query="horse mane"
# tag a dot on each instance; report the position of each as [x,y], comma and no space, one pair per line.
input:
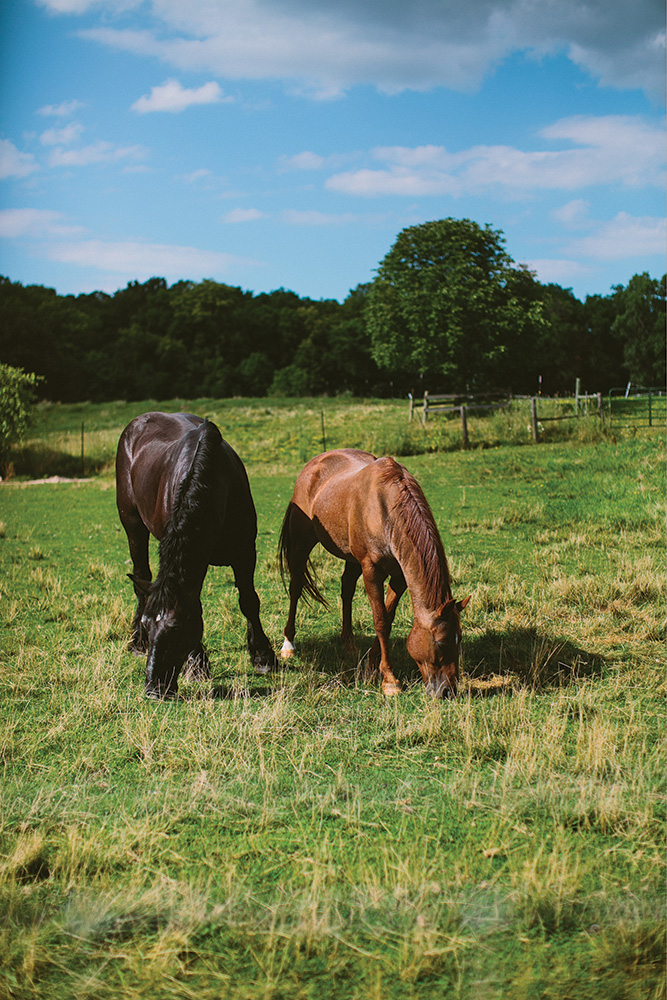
[189,527]
[416,518]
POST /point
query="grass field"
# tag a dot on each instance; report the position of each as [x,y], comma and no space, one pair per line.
[298,836]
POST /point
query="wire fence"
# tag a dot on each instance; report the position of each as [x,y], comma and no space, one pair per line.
[639,406]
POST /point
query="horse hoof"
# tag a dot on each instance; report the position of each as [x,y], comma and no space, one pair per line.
[156,695]
[389,690]
[288,649]
[197,668]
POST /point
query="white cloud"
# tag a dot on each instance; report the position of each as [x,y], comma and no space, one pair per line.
[14,163]
[197,175]
[67,6]
[559,271]
[63,110]
[324,49]
[172,97]
[61,136]
[98,152]
[140,260]
[611,150]
[574,214]
[243,215]
[625,236]
[34,223]
[301,161]
[55,239]
[637,147]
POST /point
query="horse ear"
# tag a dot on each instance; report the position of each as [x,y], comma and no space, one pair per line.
[142,585]
[460,605]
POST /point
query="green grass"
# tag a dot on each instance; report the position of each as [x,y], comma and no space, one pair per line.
[281,434]
[298,836]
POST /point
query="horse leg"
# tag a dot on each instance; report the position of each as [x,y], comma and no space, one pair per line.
[395,590]
[141,576]
[374,583]
[351,574]
[302,541]
[262,655]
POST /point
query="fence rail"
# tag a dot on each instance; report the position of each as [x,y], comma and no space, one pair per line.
[639,406]
[452,403]
[643,407]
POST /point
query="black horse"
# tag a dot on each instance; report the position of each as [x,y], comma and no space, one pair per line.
[179,480]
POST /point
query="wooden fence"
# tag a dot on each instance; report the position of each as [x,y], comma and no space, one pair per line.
[450,404]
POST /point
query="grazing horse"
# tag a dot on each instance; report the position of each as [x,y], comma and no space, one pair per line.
[373,514]
[177,479]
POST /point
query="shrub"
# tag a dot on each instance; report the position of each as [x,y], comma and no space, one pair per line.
[17,396]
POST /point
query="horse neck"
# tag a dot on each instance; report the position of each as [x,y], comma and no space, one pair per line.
[418,548]
[181,573]
[187,540]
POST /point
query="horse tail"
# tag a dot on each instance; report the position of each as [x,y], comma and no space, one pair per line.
[285,553]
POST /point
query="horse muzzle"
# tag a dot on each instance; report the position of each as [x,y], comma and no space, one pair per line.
[161,685]
[441,687]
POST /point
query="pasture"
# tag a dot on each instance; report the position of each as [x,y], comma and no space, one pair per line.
[298,835]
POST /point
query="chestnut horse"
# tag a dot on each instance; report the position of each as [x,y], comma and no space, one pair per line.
[373,514]
[177,479]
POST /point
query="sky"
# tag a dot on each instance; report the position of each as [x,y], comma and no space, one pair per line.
[285,143]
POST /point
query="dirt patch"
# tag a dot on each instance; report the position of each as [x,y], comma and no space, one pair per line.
[39,482]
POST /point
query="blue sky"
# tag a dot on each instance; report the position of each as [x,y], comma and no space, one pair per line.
[285,143]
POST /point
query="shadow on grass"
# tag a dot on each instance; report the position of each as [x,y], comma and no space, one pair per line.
[525,657]
[336,666]
[41,463]
[219,692]
[492,663]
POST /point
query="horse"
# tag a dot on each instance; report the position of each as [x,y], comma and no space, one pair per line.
[373,514]
[180,481]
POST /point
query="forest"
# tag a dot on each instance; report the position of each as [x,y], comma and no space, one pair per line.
[448,311]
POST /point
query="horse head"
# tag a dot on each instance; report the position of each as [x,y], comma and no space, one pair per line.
[435,649]
[173,630]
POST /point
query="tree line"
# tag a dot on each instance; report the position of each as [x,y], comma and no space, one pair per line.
[449,310]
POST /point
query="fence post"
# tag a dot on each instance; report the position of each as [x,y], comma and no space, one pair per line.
[577,392]
[464,425]
[411,406]
[533,419]
[425,413]
[600,407]
[650,411]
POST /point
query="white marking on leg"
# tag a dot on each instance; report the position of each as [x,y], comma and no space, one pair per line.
[288,649]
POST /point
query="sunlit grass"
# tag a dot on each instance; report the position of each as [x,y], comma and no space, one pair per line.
[79,439]
[298,835]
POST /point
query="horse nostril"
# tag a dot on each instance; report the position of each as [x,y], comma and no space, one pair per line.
[441,688]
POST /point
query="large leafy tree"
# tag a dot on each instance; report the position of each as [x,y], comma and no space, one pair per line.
[640,325]
[448,303]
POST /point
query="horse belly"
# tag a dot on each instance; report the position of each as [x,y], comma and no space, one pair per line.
[336,543]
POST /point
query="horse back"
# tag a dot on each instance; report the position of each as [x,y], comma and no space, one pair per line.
[151,461]
[345,495]
[155,454]
[327,473]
